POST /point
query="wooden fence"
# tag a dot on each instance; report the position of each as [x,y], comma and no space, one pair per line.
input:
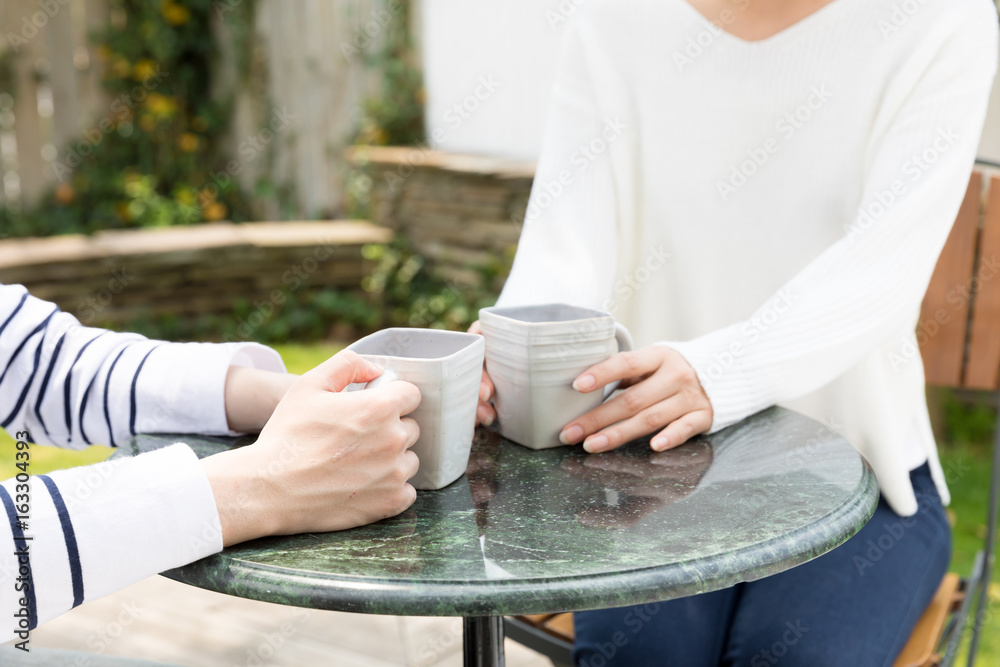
[311,65]
[56,91]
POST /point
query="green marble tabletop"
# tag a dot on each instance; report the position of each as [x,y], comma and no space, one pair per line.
[558,530]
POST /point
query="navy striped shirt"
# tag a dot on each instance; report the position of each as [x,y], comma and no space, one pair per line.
[72,386]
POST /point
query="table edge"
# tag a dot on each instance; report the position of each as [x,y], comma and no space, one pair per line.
[533,596]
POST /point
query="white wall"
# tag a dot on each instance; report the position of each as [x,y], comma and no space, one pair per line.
[516,42]
[515,45]
[989,146]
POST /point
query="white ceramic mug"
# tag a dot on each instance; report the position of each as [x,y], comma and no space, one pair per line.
[533,355]
[446,366]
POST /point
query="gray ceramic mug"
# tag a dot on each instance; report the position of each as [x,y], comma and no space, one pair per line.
[533,355]
[446,366]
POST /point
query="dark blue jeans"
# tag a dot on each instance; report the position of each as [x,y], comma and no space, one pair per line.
[854,606]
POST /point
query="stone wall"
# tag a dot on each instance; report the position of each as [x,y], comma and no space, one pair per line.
[118,277]
[463,212]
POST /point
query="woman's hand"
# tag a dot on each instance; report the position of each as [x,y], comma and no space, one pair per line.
[326,460]
[663,394]
[485,413]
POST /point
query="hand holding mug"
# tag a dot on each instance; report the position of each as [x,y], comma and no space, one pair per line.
[485,413]
[663,394]
[325,460]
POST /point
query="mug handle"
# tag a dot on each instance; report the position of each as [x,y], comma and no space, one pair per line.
[624,339]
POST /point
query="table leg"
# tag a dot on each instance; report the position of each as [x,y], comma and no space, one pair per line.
[483,645]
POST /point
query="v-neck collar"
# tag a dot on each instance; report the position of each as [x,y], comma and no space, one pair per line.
[785,34]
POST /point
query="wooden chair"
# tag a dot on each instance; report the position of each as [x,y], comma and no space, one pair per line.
[959,336]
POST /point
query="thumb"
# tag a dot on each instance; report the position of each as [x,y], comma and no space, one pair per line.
[342,369]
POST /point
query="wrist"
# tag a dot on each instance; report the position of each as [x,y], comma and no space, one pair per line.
[252,395]
[242,497]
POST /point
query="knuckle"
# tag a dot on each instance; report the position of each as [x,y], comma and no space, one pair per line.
[412,430]
[414,464]
[403,498]
[381,407]
[588,423]
[630,360]
[400,435]
[686,374]
[400,473]
[349,358]
[412,393]
[631,400]
[652,419]
[685,428]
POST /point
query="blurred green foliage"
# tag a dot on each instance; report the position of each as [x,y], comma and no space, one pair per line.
[148,160]
[396,116]
[401,291]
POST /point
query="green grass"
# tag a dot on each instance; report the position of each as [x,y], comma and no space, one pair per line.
[966,465]
[967,468]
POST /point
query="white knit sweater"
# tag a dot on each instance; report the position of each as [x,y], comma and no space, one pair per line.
[773,209]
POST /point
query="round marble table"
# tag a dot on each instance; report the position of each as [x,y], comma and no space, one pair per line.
[526,532]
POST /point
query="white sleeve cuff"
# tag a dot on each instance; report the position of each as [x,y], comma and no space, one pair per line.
[182,387]
[715,358]
[96,529]
[157,509]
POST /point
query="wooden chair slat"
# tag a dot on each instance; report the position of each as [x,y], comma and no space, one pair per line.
[537,620]
[944,314]
[561,625]
[982,370]
[921,649]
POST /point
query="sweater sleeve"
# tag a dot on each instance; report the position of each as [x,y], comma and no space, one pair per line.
[567,251]
[76,535]
[72,386]
[868,286]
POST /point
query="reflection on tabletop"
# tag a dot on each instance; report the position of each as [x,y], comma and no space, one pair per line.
[635,481]
[610,490]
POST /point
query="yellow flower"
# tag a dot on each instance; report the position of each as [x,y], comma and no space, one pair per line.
[121,208]
[65,194]
[161,105]
[214,211]
[121,67]
[188,142]
[144,69]
[175,14]
[185,197]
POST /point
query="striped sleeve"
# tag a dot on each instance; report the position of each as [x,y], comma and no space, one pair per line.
[73,386]
[78,534]
[90,531]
